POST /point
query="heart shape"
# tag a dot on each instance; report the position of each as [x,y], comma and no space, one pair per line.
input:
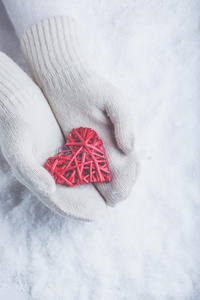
[81,160]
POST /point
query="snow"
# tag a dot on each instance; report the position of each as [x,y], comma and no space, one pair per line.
[148,246]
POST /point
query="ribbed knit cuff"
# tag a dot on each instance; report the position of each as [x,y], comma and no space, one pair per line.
[13,81]
[52,46]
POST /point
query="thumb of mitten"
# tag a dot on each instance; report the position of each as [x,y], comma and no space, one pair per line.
[117,110]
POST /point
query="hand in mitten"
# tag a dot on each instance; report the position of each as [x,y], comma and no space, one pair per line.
[29,134]
[79,97]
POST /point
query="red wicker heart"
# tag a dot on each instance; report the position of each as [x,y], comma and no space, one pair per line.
[81,160]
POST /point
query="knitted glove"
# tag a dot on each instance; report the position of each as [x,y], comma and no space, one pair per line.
[78,96]
[29,134]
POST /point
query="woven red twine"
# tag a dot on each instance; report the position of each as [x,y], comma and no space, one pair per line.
[81,160]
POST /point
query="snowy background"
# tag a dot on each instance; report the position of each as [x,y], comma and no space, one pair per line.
[149,246]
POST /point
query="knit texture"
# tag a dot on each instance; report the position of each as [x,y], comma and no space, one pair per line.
[18,102]
[29,134]
[57,57]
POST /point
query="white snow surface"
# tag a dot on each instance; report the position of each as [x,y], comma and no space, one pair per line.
[148,247]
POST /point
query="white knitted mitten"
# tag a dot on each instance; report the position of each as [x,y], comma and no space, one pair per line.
[78,96]
[29,134]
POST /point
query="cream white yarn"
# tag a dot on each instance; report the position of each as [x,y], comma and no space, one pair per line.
[56,54]
[29,134]
[77,96]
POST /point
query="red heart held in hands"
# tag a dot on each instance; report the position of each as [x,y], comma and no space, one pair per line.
[81,160]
